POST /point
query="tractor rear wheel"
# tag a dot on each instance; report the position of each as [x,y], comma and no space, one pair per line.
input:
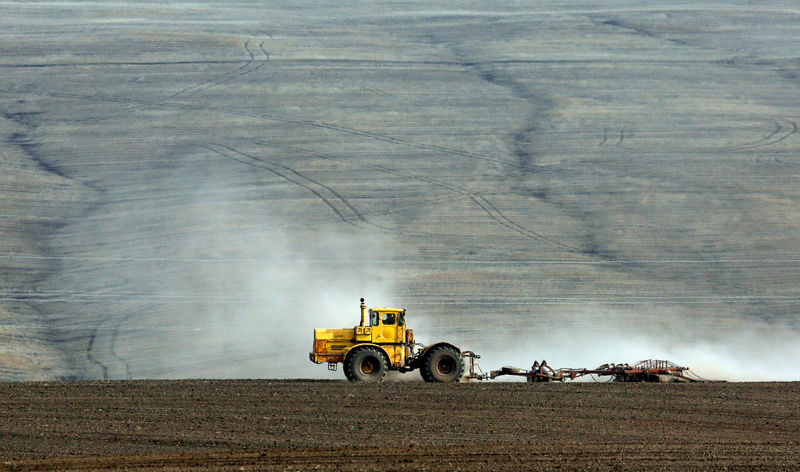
[367,364]
[426,376]
[443,364]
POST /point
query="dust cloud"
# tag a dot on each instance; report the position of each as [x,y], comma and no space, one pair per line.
[746,350]
[261,287]
[255,288]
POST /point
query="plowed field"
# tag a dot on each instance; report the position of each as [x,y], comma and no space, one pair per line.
[330,425]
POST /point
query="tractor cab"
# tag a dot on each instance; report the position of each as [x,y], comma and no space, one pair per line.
[388,325]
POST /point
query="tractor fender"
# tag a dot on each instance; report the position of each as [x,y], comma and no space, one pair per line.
[424,353]
[355,348]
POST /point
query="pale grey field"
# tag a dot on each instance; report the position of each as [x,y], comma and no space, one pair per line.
[187,189]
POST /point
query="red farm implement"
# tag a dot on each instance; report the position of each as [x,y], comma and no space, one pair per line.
[651,370]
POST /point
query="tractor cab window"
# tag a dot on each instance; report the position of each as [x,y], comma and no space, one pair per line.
[389,318]
[400,319]
[375,317]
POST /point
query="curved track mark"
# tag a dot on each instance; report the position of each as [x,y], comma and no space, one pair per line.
[482,202]
[793,130]
[210,82]
[781,132]
[191,90]
[338,204]
[247,68]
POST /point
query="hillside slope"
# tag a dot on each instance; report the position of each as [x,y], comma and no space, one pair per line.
[188,189]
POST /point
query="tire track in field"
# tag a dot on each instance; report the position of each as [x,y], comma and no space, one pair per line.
[489,208]
[783,129]
[604,142]
[782,132]
[341,207]
[188,91]
[605,137]
[793,130]
[248,67]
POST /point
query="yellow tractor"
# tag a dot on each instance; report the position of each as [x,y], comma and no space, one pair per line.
[382,343]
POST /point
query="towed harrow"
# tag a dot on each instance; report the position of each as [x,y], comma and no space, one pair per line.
[650,370]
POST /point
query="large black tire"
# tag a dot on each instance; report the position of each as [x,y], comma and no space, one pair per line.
[426,376]
[442,364]
[367,364]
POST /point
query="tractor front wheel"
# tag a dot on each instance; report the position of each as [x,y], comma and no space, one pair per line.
[367,364]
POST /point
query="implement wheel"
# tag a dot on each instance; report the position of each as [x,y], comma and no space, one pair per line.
[443,364]
[367,364]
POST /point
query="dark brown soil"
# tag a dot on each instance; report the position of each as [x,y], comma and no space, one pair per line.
[307,425]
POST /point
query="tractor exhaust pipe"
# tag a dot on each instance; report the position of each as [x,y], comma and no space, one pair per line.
[363,313]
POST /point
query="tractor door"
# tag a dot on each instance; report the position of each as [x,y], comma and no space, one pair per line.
[401,328]
[387,327]
[388,330]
